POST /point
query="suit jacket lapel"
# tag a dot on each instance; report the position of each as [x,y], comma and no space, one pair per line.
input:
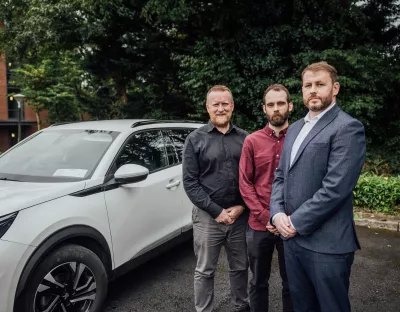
[321,124]
[290,140]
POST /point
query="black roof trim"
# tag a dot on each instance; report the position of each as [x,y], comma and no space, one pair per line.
[138,123]
[64,123]
[155,121]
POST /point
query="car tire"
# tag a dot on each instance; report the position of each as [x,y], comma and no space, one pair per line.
[72,278]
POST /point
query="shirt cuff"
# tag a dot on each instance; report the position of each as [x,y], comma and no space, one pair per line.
[264,217]
[292,224]
[273,218]
[214,210]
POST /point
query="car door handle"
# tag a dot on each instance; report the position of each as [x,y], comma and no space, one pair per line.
[173,184]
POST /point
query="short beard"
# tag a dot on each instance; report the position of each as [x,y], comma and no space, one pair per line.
[221,123]
[325,102]
[277,122]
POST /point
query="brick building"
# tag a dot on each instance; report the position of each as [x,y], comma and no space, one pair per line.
[9,111]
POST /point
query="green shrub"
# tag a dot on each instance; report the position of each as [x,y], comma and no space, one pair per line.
[378,193]
[382,161]
[377,166]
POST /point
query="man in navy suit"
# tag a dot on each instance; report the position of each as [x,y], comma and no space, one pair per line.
[311,202]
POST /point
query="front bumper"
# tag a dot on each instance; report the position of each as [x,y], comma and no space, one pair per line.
[13,257]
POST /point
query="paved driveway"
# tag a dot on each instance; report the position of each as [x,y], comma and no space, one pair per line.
[166,283]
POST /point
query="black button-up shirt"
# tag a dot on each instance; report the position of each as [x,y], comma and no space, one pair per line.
[211,168]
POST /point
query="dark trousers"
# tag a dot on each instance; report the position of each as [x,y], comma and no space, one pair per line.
[260,248]
[318,282]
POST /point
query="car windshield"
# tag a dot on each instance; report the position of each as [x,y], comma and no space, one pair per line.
[56,156]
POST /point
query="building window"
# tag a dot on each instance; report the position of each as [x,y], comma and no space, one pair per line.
[11,89]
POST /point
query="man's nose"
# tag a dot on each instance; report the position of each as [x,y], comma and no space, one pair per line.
[313,89]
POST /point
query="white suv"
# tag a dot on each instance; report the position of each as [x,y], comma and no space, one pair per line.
[82,203]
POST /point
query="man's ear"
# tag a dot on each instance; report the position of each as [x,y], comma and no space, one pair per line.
[336,88]
[264,108]
[290,106]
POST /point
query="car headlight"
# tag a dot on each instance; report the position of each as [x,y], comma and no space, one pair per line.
[6,221]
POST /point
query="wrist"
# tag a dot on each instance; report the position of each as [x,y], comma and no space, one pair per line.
[274,218]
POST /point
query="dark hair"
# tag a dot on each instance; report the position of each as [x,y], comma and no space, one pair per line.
[277,87]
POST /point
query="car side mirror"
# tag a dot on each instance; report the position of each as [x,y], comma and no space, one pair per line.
[131,174]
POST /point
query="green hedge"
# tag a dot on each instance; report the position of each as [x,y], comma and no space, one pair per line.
[378,193]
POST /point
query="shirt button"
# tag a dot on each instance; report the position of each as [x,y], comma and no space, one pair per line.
[278,141]
[277,155]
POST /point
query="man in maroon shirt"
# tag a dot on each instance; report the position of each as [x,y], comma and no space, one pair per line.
[260,157]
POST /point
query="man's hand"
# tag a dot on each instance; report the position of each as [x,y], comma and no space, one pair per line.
[224,217]
[235,211]
[282,223]
[272,229]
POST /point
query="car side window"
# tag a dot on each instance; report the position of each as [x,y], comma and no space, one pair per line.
[172,154]
[175,140]
[145,148]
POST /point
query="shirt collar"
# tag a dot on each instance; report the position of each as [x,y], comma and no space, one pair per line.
[319,116]
[211,127]
[271,132]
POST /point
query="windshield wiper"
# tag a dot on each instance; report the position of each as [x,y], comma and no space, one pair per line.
[7,179]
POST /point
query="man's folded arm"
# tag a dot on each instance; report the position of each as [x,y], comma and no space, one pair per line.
[246,186]
[344,166]
[193,188]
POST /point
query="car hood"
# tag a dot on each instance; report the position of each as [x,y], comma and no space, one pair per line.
[15,196]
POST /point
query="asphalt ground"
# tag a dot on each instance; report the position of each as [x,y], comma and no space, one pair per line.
[165,284]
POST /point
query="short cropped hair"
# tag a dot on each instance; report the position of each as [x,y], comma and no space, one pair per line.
[277,87]
[322,66]
[220,88]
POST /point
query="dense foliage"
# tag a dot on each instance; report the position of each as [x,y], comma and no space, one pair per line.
[378,194]
[157,58]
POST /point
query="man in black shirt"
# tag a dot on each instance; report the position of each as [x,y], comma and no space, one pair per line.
[211,181]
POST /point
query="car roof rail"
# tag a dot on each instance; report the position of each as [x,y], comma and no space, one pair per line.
[155,121]
[138,123]
[63,123]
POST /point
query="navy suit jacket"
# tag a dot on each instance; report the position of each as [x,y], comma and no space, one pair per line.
[317,189]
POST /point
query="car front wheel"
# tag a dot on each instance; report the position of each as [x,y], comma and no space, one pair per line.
[70,279]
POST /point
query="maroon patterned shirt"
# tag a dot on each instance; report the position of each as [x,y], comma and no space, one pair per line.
[260,158]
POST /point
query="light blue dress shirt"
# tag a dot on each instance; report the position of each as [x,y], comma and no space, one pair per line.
[309,123]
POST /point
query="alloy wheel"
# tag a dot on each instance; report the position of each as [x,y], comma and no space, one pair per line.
[70,287]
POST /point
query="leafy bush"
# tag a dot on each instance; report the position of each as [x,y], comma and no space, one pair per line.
[378,193]
[382,161]
[377,166]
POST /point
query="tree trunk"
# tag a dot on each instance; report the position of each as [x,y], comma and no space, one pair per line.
[124,97]
[38,121]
